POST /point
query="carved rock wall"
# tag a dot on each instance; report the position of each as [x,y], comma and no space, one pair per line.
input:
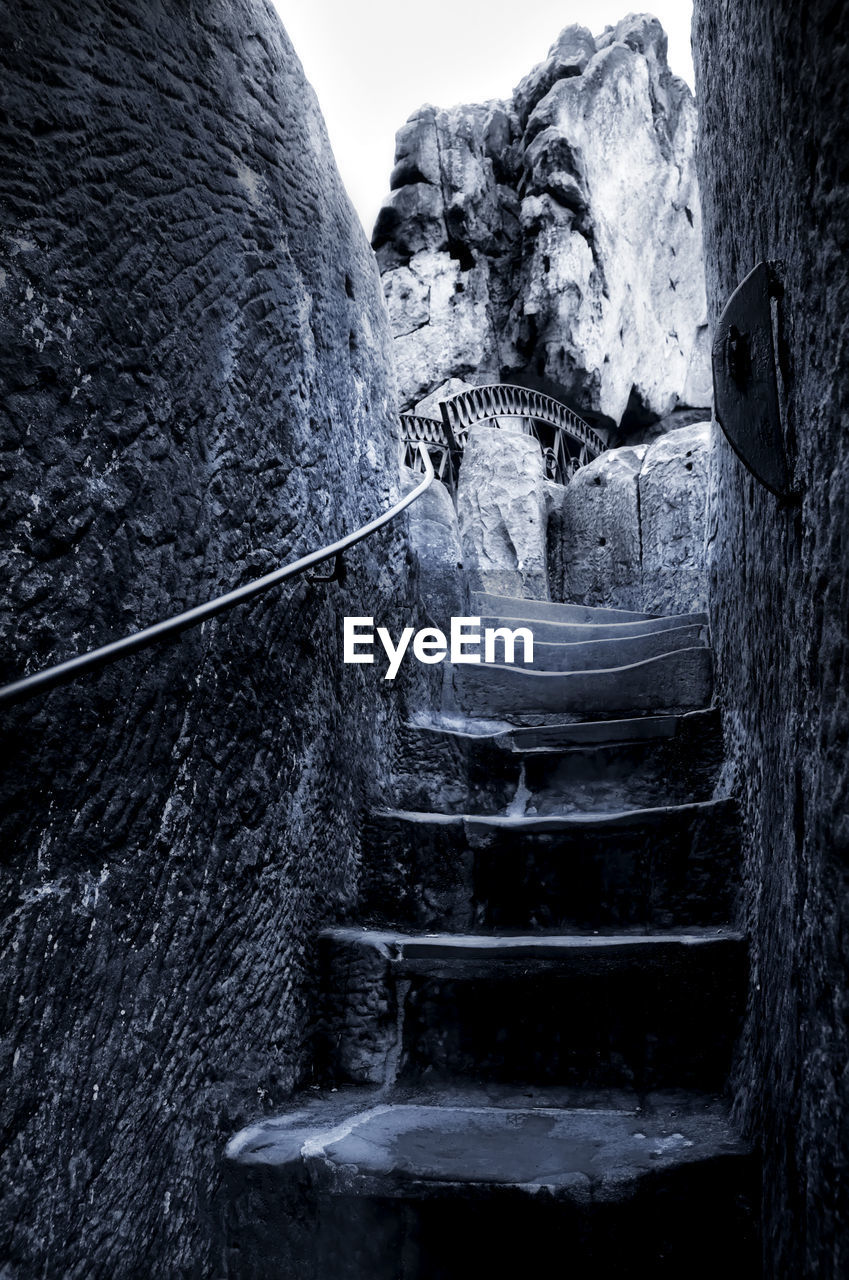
[555,239]
[194,388]
[772,82]
[673,488]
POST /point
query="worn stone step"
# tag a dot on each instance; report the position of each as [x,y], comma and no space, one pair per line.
[355,1187]
[643,1011]
[639,868]
[483,603]
[606,765]
[671,682]
[602,654]
[608,732]
[577,632]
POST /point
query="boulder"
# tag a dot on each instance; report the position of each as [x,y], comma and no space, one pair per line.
[673,511]
[601,558]
[632,526]
[501,505]
[435,546]
[556,235]
[568,56]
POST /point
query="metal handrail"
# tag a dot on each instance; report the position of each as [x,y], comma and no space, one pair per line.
[416,429]
[63,672]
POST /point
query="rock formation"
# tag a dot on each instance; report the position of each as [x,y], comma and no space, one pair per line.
[673,489]
[195,388]
[633,526]
[436,553]
[555,239]
[501,510]
[775,137]
[600,531]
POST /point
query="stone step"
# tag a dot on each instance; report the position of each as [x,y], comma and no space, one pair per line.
[605,732]
[355,1187]
[642,762]
[576,632]
[483,603]
[674,865]
[644,1011]
[671,682]
[601,655]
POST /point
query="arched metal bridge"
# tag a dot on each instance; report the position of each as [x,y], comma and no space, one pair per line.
[567,442]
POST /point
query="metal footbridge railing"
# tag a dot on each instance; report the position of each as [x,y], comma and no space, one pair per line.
[567,442]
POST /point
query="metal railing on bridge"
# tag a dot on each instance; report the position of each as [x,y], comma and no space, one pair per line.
[567,442]
[418,431]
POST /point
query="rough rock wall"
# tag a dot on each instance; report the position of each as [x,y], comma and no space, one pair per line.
[555,238]
[436,554]
[194,354]
[502,513]
[632,526]
[599,532]
[773,82]
[673,509]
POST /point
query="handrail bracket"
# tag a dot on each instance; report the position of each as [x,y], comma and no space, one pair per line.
[337,574]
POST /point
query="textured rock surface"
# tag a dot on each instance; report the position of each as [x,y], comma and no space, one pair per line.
[194,389]
[673,488]
[501,506]
[435,545]
[555,238]
[634,526]
[780,596]
[601,531]
[627,1179]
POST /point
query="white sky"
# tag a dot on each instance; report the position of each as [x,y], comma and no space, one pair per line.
[372,63]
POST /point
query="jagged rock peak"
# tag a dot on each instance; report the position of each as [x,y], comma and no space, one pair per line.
[554,238]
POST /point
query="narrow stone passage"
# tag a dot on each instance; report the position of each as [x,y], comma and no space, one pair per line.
[528,1037]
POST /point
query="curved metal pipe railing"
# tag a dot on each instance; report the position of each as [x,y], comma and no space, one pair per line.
[63,672]
[416,430]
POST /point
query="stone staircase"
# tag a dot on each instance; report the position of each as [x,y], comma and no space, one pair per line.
[527,1041]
